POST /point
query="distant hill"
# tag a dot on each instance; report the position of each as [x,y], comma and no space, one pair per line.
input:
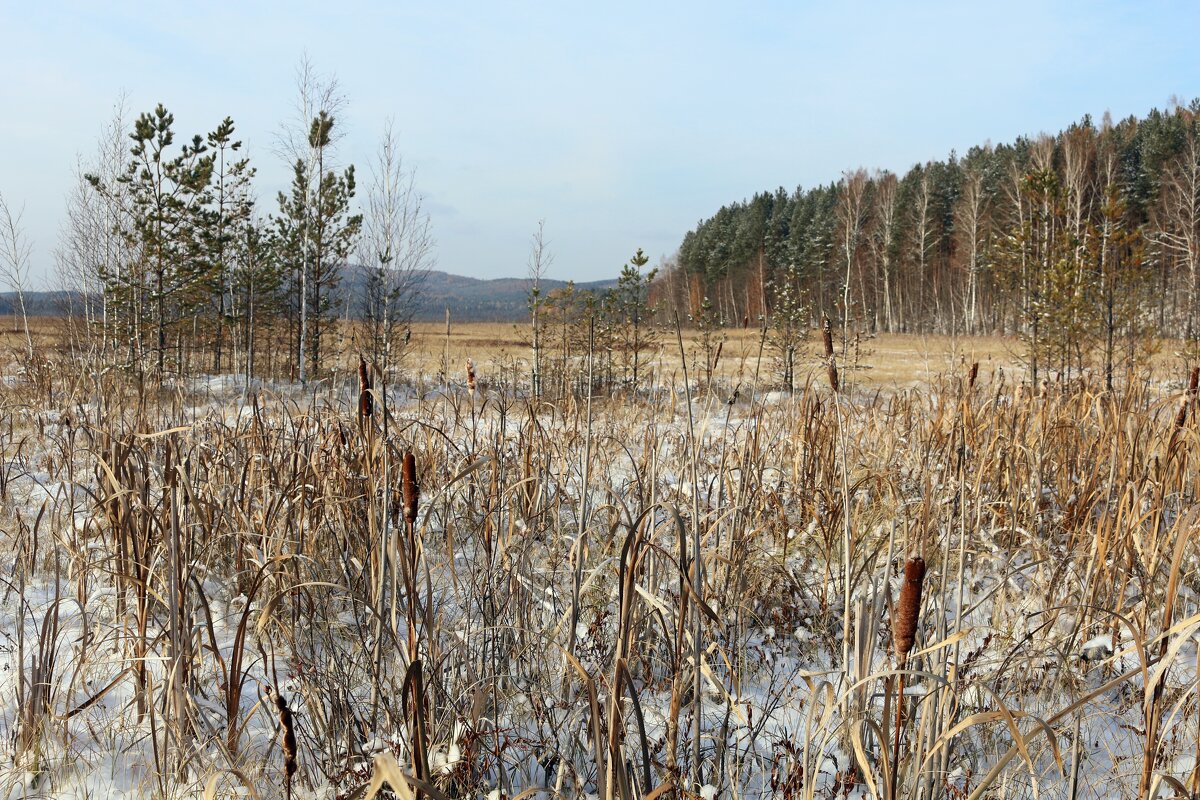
[494,300]
[469,299]
[39,304]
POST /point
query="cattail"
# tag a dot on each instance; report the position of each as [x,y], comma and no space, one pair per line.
[287,735]
[908,610]
[412,490]
[1193,384]
[717,357]
[833,377]
[974,373]
[470,375]
[1181,417]
[827,335]
[366,403]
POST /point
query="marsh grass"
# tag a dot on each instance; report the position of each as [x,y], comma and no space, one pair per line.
[458,590]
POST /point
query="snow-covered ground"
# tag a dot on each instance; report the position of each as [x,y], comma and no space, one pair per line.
[551,568]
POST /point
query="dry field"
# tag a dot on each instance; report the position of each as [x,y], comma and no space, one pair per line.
[887,360]
[952,588]
[883,361]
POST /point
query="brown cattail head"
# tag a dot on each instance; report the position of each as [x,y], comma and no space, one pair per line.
[827,335]
[366,403]
[1193,384]
[470,375]
[833,377]
[973,374]
[717,357]
[412,490]
[287,731]
[908,610]
[1181,417]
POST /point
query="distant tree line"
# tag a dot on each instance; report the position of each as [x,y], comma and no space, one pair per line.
[1085,244]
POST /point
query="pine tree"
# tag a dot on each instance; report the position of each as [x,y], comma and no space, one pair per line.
[255,286]
[168,194]
[789,322]
[630,309]
[316,234]
[231,207]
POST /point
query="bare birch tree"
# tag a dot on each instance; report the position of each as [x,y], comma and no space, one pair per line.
[97,253]
[540,259]
[970,217]
[1179,226]
[852,218]
[15,252]
[396,251]
[882,242]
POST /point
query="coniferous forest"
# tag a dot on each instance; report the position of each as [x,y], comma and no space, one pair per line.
[1080,242]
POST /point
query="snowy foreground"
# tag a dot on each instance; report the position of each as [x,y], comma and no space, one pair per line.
[176,568]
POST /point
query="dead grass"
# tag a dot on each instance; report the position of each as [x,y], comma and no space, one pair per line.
[613,598]
[884,361]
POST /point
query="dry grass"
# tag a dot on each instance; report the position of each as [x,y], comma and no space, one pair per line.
[627,599]
[885,360]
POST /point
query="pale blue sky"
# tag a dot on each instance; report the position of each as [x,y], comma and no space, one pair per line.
[621,124]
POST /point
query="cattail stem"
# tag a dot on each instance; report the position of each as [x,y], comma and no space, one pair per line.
[904,633]
[896,735]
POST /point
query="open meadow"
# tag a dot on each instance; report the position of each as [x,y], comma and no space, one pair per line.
[937,582]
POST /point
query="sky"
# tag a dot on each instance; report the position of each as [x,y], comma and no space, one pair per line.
[619,124]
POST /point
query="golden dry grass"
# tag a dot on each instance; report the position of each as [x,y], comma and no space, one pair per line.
[887,360]
[883,361]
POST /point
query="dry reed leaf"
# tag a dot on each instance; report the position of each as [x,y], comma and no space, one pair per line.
[860,756]
[160,434]
[949,640]
[1177,785]
[1167,659]
[1001,763]
[386,770]
[266,615]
